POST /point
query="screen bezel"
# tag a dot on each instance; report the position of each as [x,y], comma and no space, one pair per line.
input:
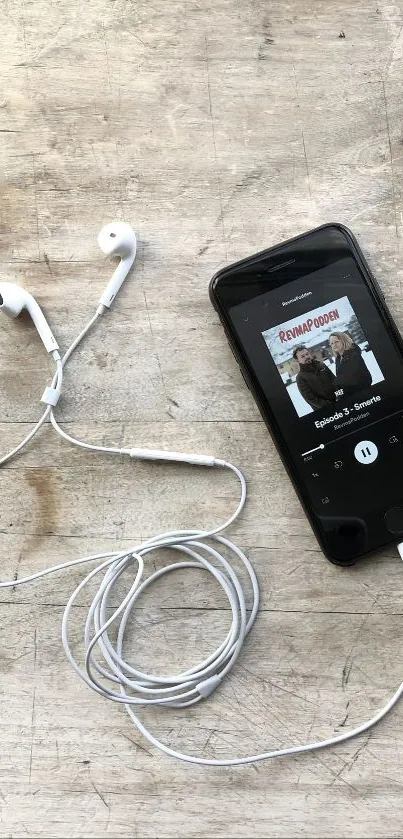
[253,276]
[268,269]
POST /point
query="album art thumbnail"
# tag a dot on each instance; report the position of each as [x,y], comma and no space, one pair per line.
[323,357]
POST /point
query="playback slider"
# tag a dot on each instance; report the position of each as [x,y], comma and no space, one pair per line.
[322,446]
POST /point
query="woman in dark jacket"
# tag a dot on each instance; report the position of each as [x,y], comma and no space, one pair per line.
[352,373]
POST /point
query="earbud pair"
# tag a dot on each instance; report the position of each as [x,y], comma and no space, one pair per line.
[116,239]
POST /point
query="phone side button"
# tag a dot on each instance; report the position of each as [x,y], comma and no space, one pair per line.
[244,378]
[393,519]
[378,288]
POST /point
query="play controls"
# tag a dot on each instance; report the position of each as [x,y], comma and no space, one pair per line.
[365,452]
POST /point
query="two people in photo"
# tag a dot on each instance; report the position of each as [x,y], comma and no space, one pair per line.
[318,385]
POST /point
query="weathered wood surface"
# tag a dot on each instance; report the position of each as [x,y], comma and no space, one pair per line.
[216,129]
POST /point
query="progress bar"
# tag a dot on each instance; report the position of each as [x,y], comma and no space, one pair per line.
[322,446]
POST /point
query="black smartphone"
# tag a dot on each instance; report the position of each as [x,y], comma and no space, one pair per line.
[323,359]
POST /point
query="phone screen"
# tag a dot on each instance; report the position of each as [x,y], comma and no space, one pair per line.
[331,373]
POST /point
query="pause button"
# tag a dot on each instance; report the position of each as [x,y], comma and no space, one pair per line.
[366,452]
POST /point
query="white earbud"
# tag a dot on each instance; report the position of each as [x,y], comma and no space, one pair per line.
[117,239]
[13,299]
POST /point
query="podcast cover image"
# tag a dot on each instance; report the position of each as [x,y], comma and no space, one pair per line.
[323,356]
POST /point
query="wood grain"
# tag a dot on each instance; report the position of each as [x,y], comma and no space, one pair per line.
[216,129]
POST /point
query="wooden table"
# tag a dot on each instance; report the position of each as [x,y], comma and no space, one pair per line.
[216,129]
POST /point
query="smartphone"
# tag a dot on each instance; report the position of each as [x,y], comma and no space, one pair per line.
[317,347]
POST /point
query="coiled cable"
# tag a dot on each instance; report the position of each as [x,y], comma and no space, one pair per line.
[104,667]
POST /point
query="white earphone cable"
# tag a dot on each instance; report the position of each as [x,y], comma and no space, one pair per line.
[26,439]
[106,670]
[57,382]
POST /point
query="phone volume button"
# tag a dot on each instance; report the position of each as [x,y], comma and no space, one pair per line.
[237,359]
[378,288]
[244,378]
